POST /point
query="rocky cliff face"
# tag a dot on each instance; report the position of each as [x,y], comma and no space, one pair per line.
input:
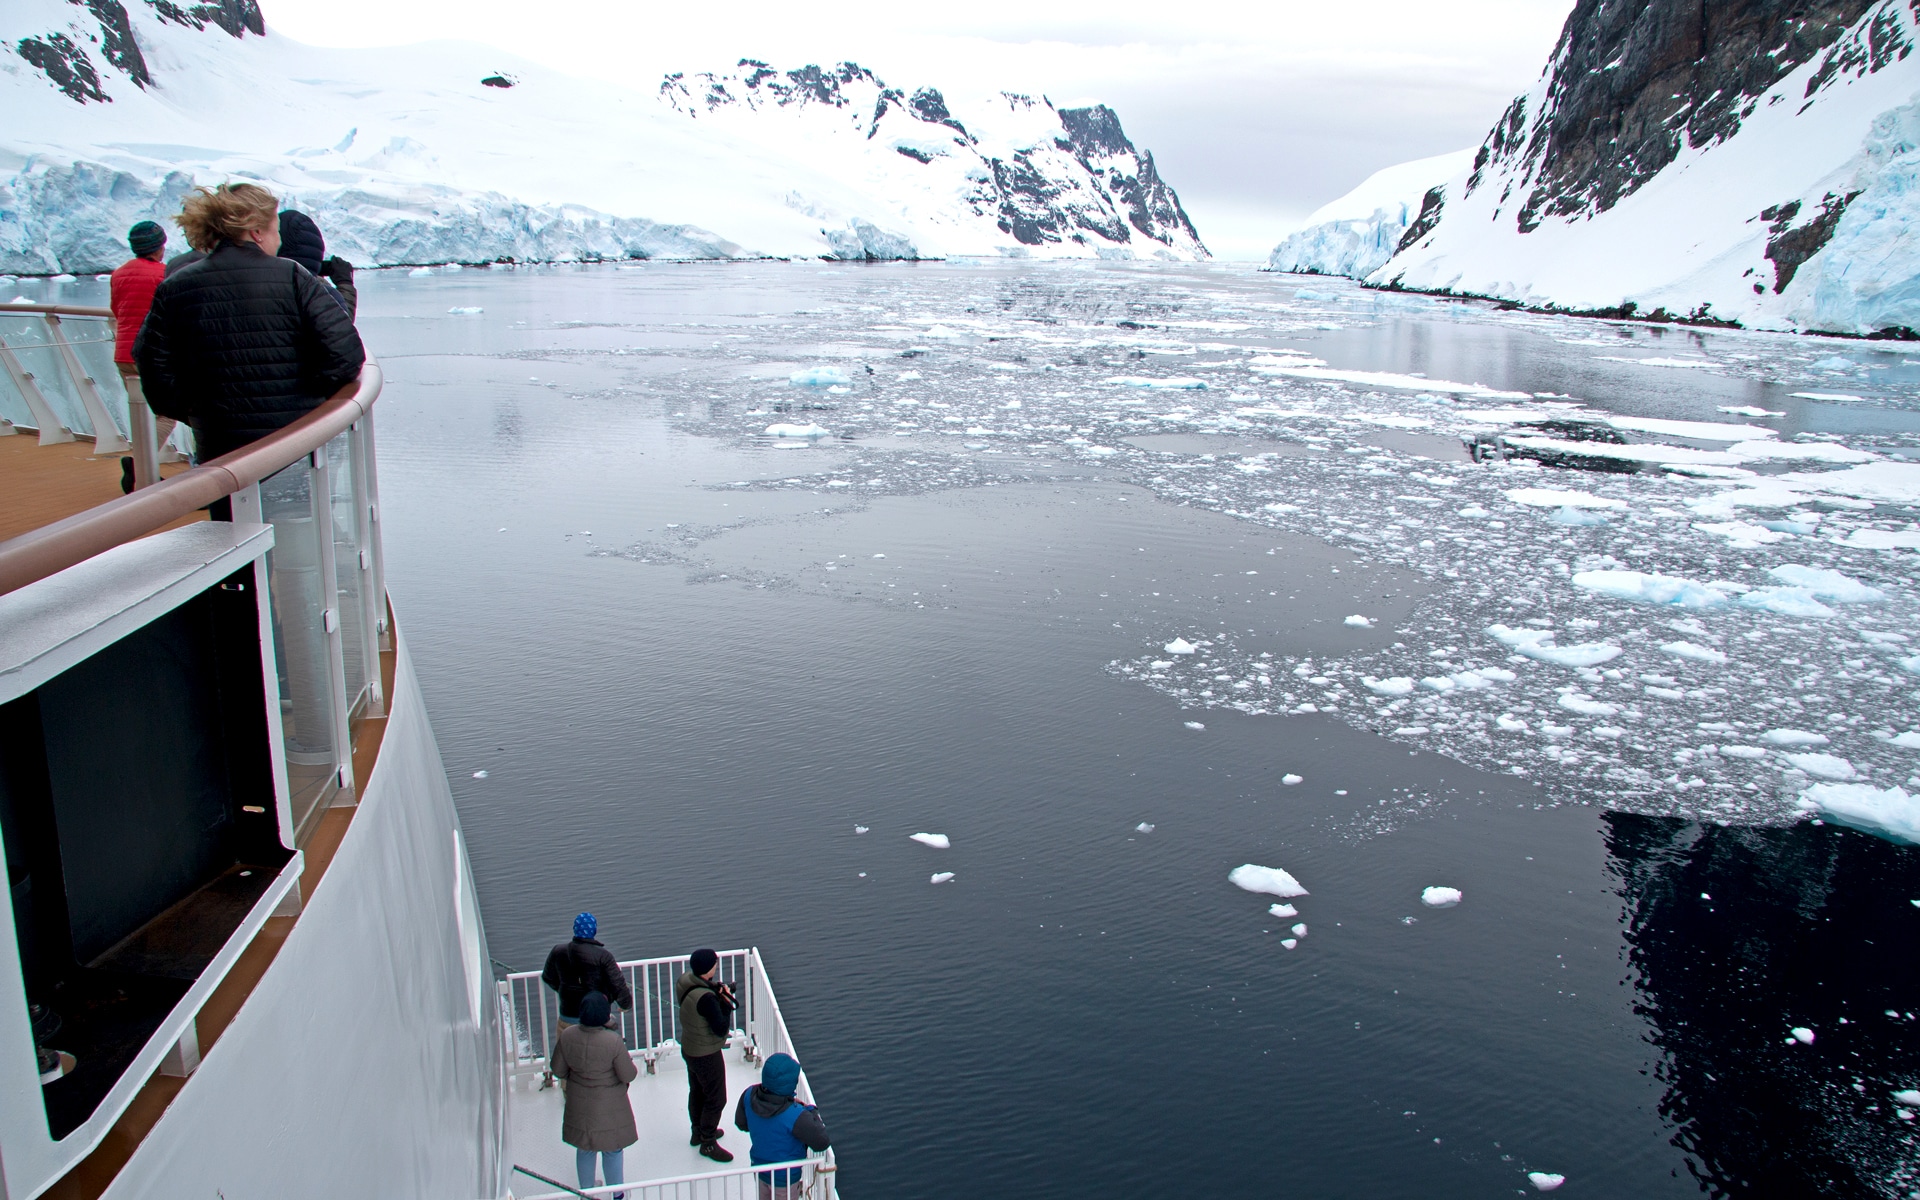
[62,54]
[1050,179]
[1708,158]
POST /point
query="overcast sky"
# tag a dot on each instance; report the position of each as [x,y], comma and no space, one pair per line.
[1255,117]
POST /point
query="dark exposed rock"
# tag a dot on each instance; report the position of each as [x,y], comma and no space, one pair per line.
[117,44]
[236,17]
[499,81]
[66,64]
[930,106]
[1430,209]
[1097,140]
[1789,247]
[916,155]
[1635,81]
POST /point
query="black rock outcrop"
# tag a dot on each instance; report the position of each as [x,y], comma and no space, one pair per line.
[67,65]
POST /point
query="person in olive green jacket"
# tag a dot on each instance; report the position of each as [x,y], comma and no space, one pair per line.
[706,1021]
[593,1062]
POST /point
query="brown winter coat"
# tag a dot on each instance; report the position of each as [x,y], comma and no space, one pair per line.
[597,1068]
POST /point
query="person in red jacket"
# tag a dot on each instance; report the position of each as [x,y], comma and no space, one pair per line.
[131,295]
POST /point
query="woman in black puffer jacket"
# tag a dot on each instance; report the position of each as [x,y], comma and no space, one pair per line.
[242,343]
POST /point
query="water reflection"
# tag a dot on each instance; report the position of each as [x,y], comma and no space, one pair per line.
[1738,936]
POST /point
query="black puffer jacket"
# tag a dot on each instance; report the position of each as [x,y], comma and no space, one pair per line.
[241,344]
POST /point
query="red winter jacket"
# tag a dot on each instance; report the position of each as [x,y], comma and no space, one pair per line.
[131,295]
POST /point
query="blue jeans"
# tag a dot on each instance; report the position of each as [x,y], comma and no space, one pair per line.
[610,1166]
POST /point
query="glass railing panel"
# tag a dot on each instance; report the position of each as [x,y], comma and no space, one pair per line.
[346,560]
[301,650]
[92,342]
[27,337]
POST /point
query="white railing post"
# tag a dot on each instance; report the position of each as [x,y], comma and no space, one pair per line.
[375,542]
[320,501]
[106,434]
[372,602]
[146,451]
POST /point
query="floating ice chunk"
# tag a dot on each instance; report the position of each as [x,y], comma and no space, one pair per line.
[1883,539]
[1787,601]
[1473,510]
[1566,514]
[1193,725]
[1546,1181]
[1910,664]
[860,828]
[1299,930]
[1538,644]
[1159,664]
[939,841]
[1493,674]
[1887,812]
[465,310]
[1587,706]
[417,271]
[1824,766]
[1888,482]
[825,376]
[1271,880]
[479,774]
[1745,535]
[1283,911]
[1359,621]
[941,877]
[1143,827]
[1556,498]
[1743,751]
[1510,723]
[1290,780]
[1829,452]
[1177,383]
[1397,685]
[784,430]
[1179,646]
[1650,589]
[1440,897]
[1289,943]
[1803,1035]
[1839,396]
[1909,740]
[1694,651]
[879,556]
[1748,410]
[1793,737]
[1826,585]
[1910,1097]
[1439,683]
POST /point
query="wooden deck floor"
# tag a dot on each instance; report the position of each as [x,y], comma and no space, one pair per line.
[42,484]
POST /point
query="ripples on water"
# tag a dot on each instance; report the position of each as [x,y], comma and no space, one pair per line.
[676,647]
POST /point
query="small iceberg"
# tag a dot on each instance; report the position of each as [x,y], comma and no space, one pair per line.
[1359,621]
[479,774]
[1823,766]
[1649,589]
[1803,1035]
[1180,646]
[1290,779]
[783,430]
[1885,812]
[939,841]
[1546,1181]
[819,377]
[1143,827]
[1695,651]
[1300,930]
[1283,911]
[1440,897]
[859,828]
[1567,514]
[1193,725]
[1793,737]
[1398,685]
[1270,880]
[464,310]
[941,877]
[1539,644]
[419,271]
[1786,601]
[1826,585]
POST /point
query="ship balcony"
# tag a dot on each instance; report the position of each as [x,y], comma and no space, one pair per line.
[661,1165]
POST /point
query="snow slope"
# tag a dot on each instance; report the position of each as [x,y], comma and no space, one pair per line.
[1790,205]
[1356,234]
[115,109]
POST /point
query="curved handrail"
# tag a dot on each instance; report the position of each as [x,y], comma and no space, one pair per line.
[58,310]
[32,557]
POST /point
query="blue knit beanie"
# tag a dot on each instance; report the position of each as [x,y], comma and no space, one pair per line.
[584,926]
[780,1076]
[594,1010]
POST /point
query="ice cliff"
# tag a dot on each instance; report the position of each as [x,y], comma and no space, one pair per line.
[1754,160]
[1356,234]
[452,152]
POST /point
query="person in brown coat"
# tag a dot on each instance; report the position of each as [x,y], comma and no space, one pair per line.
[593,1062]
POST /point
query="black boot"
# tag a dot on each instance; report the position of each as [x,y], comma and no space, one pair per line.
[716,1152]
[126,476]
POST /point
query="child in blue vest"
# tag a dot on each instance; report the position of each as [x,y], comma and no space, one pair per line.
[783,1128]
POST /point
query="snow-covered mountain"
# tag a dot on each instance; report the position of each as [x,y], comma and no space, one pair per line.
[455,152]
[1356,234]
[1747,160]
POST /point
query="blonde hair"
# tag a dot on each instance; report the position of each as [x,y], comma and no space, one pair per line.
[226,214]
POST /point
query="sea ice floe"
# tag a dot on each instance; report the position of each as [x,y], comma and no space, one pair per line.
[1744,535]
[479,774]
[1440,897]
[1539,644]
[786,430]
[823,376]
[1823,766]
[1785,601]
[1289,943]
[1290,780]
[1802,1034]
[418,271]
[939,841]
[1887,812]
[1558,498]
[1748,752]
[1193,725]
[1566,514]
[1685,649]
[1176,383]
[1650,589]
[1586,705]
[1398,685]
[1144,827]
[464,310]
[859,828]
[941,877]
[1825,584]
[1510,723]
[1843,397]
[1359,621]
[1179,646]
[1794,737]
[1748,410]
[1546,1181]
[1473,510]
[1283,911]
[1299,930]
[1909,740]
[1909,1097]
[1883,539]
[1271,880]
[1883,482]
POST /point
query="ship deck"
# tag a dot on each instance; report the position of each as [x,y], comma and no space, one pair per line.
[43,484]
[659,1104]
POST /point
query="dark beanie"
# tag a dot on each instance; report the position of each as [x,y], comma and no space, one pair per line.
[300,241]
[594,1010]
[146,237]
[781,1074]
[702,961]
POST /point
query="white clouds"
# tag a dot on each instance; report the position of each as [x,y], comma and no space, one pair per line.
[1257,114]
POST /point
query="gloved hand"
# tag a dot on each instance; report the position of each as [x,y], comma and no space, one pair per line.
[337,269]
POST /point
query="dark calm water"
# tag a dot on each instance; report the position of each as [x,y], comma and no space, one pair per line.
[683,713]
